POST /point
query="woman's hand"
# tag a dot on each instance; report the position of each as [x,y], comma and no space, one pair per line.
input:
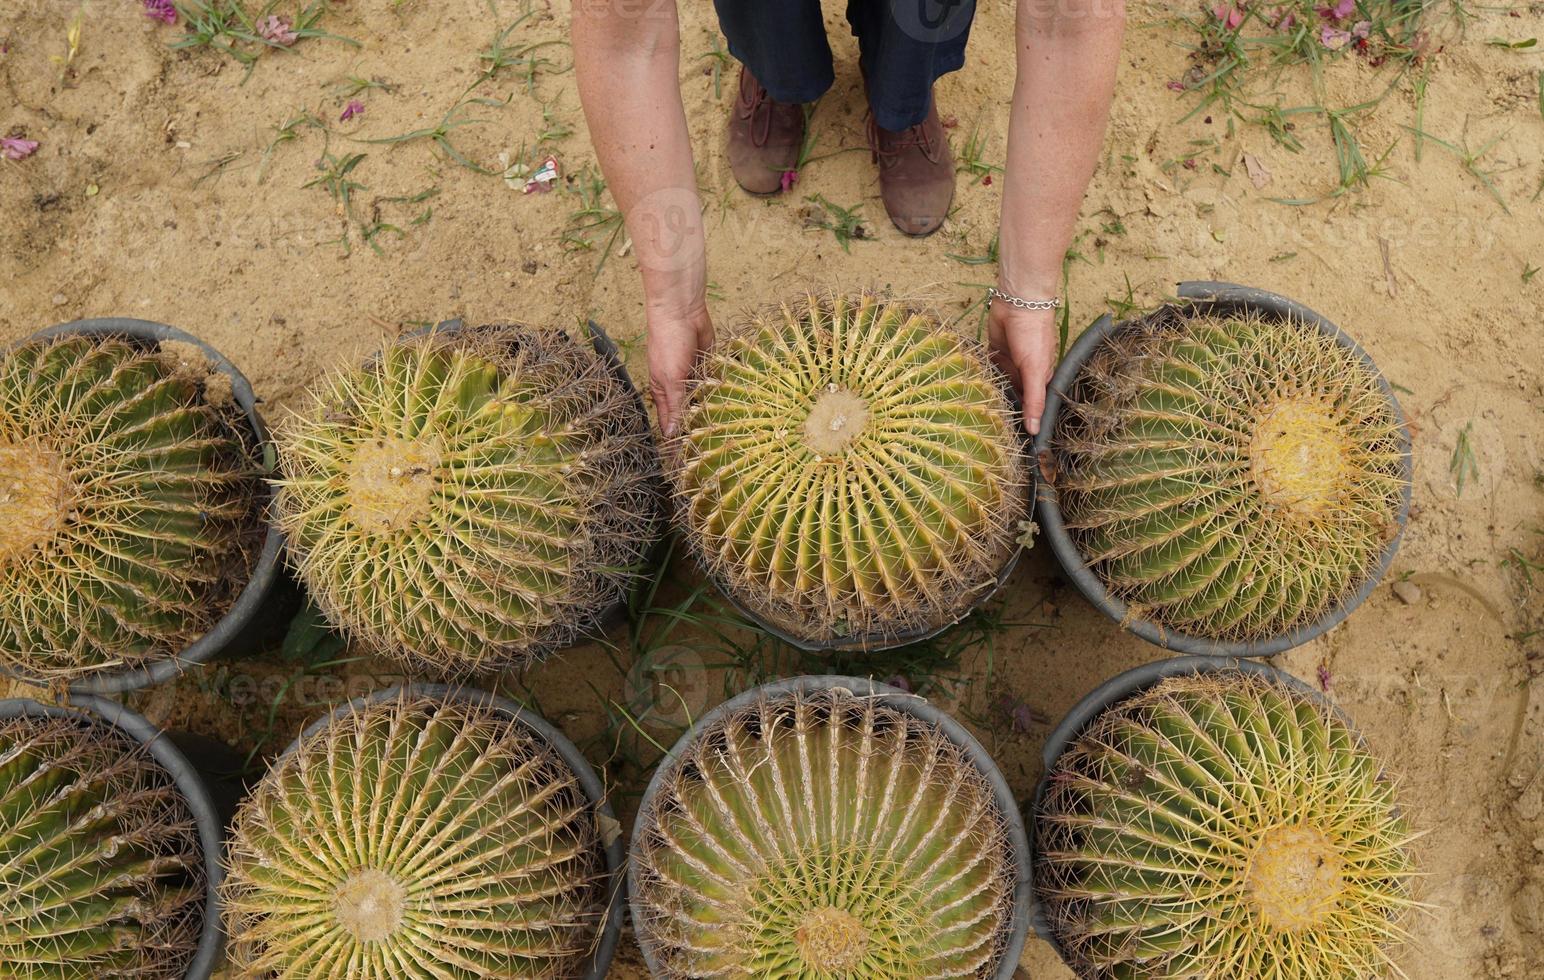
[676,340]
[1024,346]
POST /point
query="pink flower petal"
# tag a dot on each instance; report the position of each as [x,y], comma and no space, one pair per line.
[1339,12]
[277,30]
[164,11]
[1230,16]
[790,177]
[16,148]
[354,108]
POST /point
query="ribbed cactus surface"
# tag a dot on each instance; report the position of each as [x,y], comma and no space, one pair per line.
[1223,826]
[849,466]
[124,498]
[823,834]
[416,838]
[101,875]
[471,499]
[1229,477]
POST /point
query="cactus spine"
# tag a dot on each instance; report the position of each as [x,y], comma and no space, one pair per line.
[416,838]
[125,502]
[1230,478]
[100,865]
[850,467]
[822,834]
[1223,826]
[470,500]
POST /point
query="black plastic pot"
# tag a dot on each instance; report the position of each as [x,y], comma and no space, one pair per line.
[242,619]
[1225,298]
[890,697]
[1119,688]
[611,928]
[867,642]
[193,786]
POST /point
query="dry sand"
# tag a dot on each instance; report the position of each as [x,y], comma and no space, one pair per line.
[122,212]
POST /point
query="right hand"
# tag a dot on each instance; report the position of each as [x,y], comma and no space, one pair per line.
[676,340]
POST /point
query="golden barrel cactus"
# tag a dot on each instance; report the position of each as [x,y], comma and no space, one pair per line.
[816,832]
[417,837]
[1222,824]
[126,506]
[101,870]
[471,499]
[850,470]
[1229,477]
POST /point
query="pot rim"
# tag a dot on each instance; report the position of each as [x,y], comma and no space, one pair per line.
[190,784]
[892,697]
[610,932]
[874,642]
[1227,296]
[265,568]
[1122,687]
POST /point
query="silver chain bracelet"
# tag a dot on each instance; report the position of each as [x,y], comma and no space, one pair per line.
[994,293]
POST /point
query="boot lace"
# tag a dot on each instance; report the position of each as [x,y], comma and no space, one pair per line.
[913,137]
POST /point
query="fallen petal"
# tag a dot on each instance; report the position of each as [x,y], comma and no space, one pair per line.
[1334,38]
[16,148]
[277,30]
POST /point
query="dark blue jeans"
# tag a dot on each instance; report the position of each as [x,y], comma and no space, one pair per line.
[904,46]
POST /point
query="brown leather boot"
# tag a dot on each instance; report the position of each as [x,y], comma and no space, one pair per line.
[765,137]
[916,173]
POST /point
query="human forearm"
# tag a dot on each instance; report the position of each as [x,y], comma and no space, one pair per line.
[627,59]
[1068,52]
[1067,56]
[627,56]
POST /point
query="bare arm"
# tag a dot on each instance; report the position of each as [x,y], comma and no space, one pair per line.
[627,56]
[1068,52]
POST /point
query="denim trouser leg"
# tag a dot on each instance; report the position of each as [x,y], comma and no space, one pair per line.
[905,46]
[782,42]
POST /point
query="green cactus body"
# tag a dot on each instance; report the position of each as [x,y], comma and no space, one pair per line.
[101,875]
[849,466]
[1229,478]
[416,839]
[125,501]
[1223,826]
[823,835]
[471,500]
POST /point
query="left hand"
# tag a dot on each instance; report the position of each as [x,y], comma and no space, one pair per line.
[1023,344]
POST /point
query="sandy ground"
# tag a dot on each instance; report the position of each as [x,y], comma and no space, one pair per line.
[126,209]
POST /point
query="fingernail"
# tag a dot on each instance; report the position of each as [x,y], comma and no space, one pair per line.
[1034,427]
[670,430]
